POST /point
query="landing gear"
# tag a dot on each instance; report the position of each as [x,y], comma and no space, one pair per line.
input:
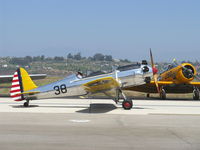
[196,94]
[118,91]
[127,102]
[26,104]
[148,95]
[162,94]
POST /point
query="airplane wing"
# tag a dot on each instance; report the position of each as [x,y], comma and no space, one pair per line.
[8,78]
[101,85]
[197,84]
[106,84]
[162,82]
[170,87]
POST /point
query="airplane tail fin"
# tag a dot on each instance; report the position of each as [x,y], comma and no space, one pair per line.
[21,83]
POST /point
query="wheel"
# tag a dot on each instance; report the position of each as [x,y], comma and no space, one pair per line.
[26,104]
[196,94]
[163,94]
[148,95]
[127,104]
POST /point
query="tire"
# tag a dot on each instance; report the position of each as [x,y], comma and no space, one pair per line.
[127,104]
[163,94]
[196,95]
[26,104]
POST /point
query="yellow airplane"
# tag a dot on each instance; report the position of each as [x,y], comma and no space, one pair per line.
[177,78]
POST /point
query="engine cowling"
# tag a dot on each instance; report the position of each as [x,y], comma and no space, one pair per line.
[186,73]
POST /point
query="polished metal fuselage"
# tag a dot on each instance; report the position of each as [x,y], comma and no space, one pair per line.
[73,85]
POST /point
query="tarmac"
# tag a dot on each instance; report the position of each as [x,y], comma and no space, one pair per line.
[96,124]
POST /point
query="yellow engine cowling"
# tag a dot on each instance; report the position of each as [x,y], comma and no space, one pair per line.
[183,76]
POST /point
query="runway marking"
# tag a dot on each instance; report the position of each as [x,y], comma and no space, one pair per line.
[80,121]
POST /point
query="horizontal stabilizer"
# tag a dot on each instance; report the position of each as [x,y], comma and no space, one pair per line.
[30,93]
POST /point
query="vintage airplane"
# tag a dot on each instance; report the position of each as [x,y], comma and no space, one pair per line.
[111,84]
[178,78]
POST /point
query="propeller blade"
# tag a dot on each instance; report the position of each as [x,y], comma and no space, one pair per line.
[156,82]
[196,77]
[179,64]
[151,56]
[155,75]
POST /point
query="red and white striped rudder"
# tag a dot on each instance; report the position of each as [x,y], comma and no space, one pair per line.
[17,87]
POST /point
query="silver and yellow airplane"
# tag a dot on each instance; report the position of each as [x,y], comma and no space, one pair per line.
[111,84]
[177,78]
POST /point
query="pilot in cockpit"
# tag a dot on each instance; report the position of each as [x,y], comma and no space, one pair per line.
[79,75]
[170,66]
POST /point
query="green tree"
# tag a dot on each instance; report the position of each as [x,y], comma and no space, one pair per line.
[98,57]
[108,57]
[77,56]
[57,58]
[70,56]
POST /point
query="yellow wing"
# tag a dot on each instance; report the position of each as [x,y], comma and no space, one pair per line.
[195,83]
[171,82]
[163,82]
[101,85]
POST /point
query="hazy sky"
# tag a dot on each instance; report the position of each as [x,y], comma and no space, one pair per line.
[122,28]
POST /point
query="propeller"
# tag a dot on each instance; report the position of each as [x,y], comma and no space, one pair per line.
[155,71]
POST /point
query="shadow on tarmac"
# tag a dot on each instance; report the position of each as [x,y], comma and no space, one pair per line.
[98,108]
[103,108]
[22,106]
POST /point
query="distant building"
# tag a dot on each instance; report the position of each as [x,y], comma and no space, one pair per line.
[5,66]
[116,60]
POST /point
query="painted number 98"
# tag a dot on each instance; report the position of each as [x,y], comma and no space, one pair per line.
[60,89]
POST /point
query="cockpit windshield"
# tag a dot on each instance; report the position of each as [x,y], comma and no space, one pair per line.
[129,67]
[168,67]
[171,66]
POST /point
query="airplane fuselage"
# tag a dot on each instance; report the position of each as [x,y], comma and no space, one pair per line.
[74,86]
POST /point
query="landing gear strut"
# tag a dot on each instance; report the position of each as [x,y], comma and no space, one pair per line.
[118,91]
[162,94]
[26,104]
[196,94]
[127,104]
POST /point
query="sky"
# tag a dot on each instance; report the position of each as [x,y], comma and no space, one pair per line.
[125,29]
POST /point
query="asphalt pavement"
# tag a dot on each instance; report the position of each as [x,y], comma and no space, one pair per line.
[84,124]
